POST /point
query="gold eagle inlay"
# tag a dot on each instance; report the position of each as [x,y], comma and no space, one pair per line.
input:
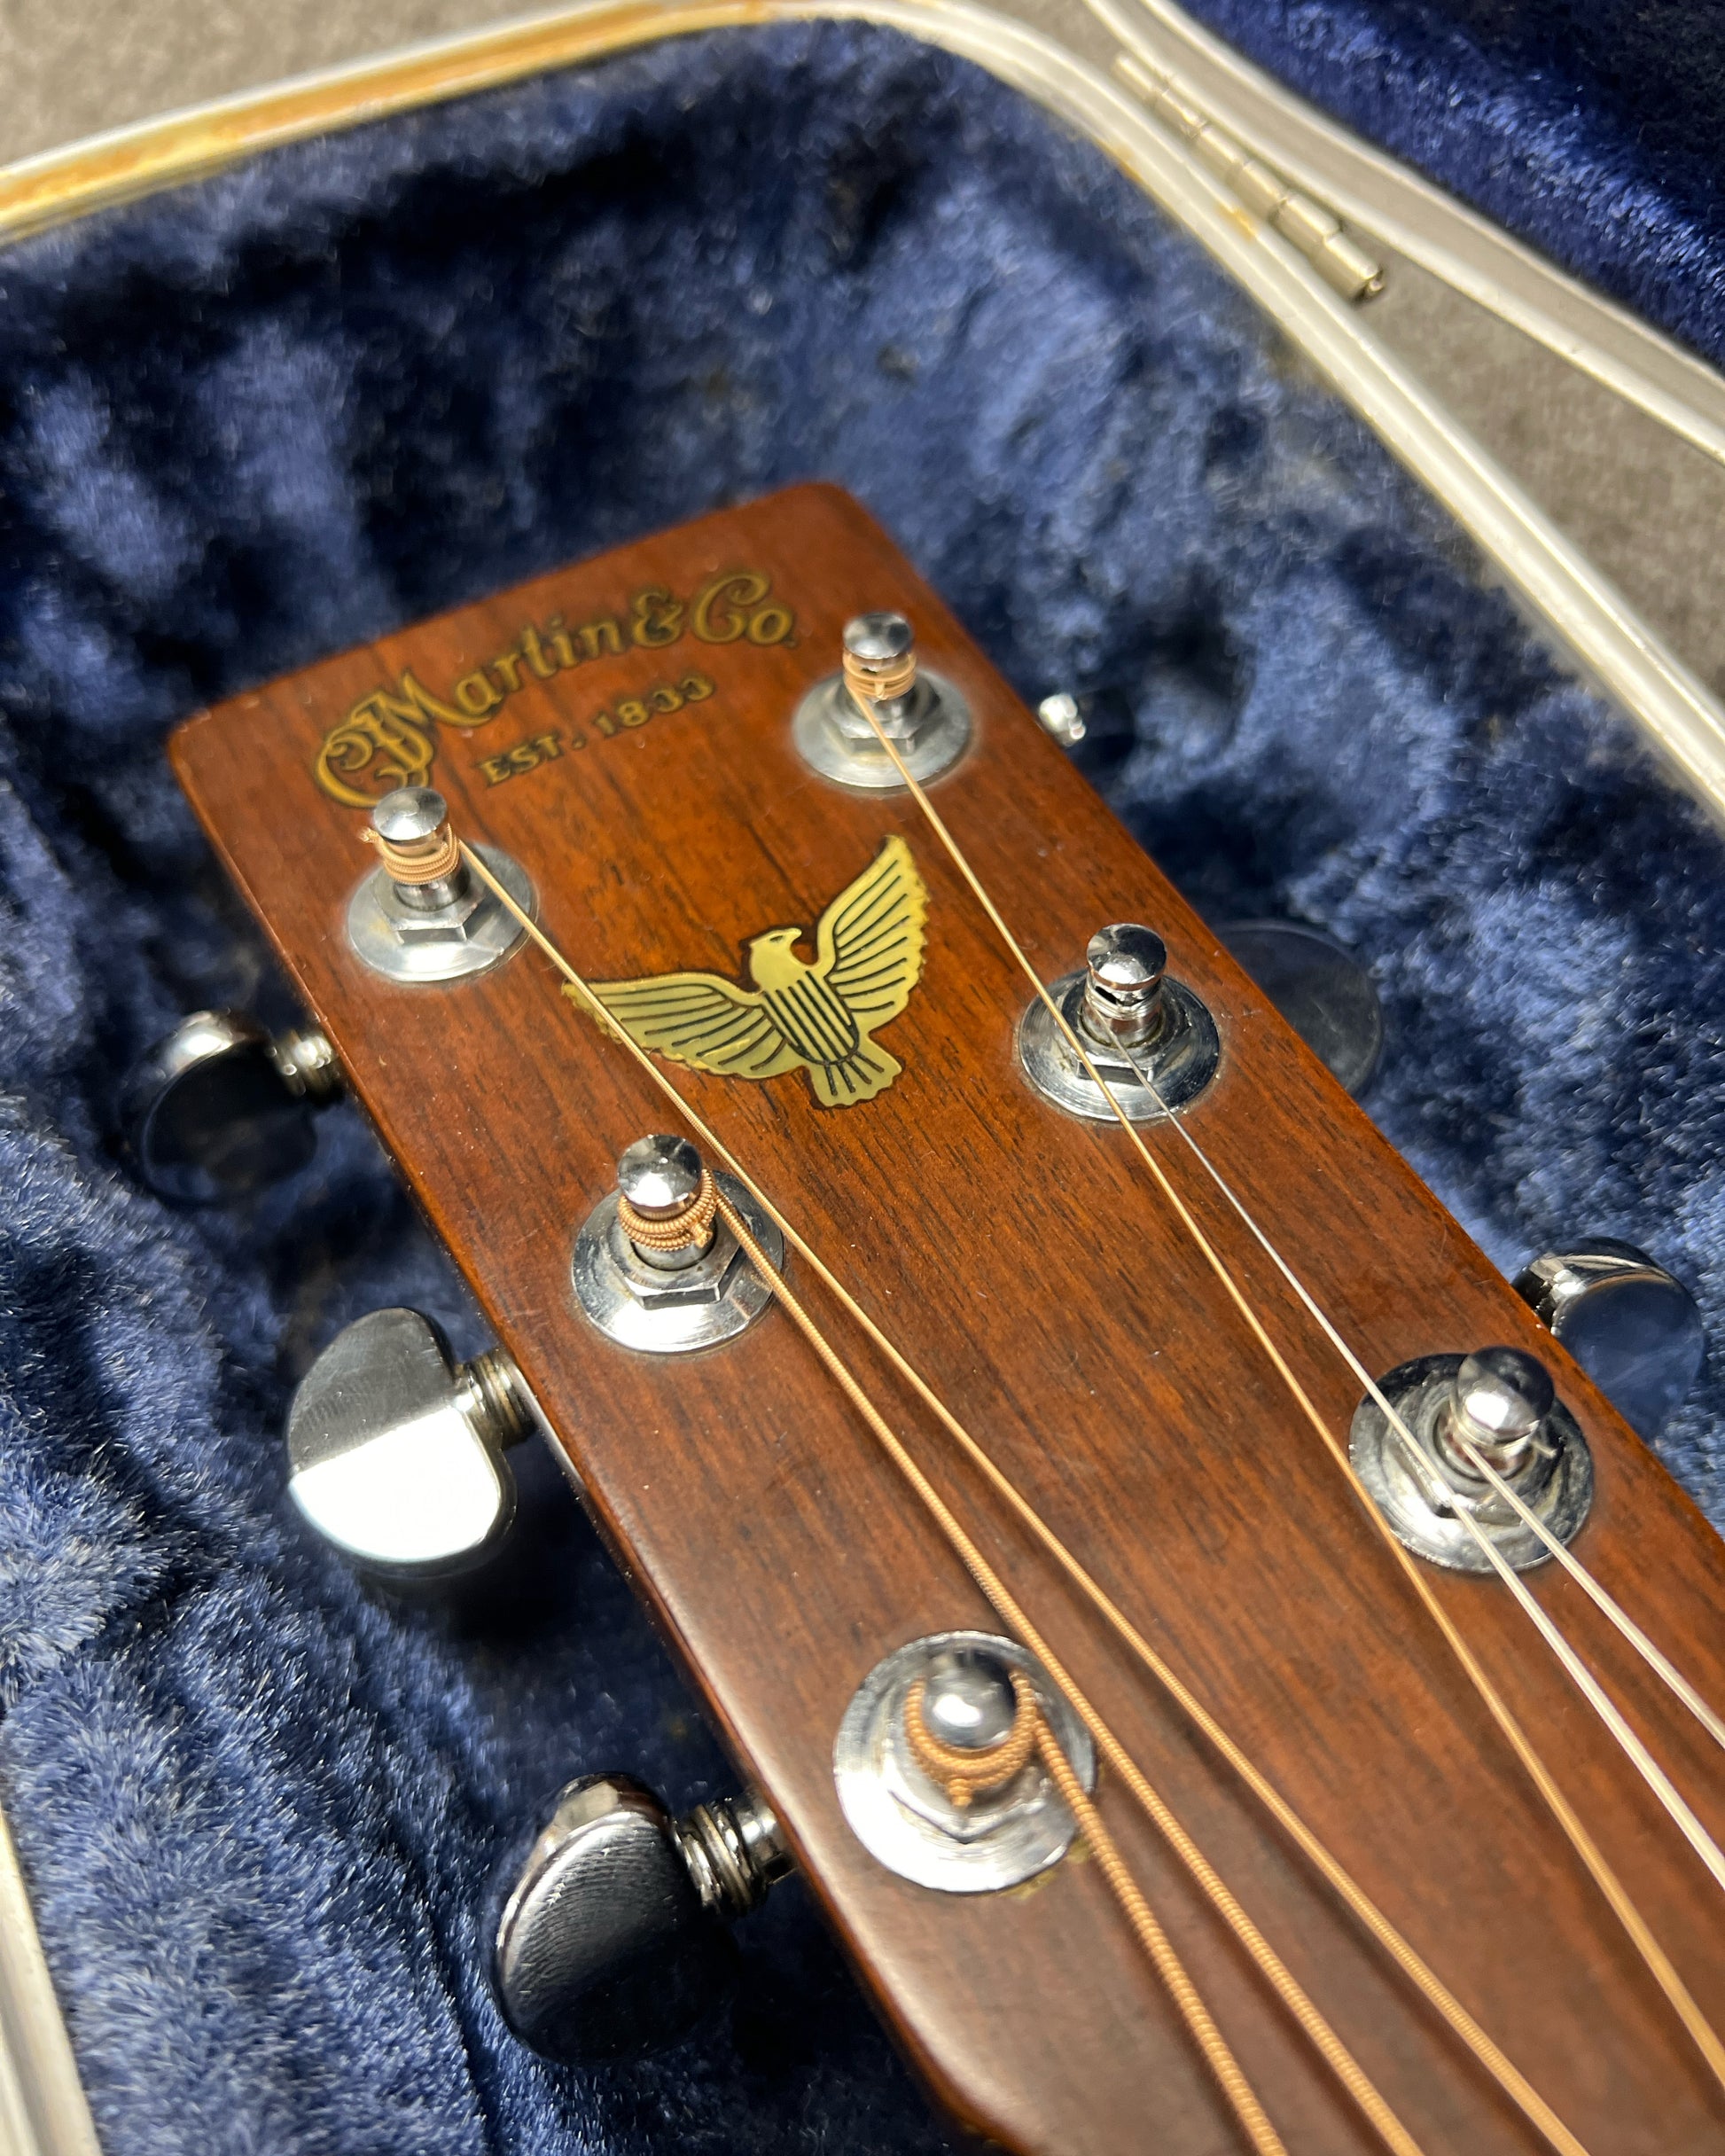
[819,1018]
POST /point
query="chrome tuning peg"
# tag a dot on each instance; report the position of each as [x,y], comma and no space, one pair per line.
[922,714]
[1633,1327]
[396,1452]
[1322,991]
[219,1106]
[613,1938]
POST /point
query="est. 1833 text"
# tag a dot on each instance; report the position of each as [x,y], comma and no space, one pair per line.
[627,713]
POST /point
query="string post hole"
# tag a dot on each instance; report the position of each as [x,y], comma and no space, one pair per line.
[421,914]
[881,689]
[1124,966]
[656,1268]
[938,1768]
[1496,1406]
[1123,1037]
[1501,1399]
[667,1203]
[971,1724]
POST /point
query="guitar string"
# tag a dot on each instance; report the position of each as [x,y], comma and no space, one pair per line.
[1655,1776]
[1702,1843]
[1135,1907]
[1653,1656]
[1658,1962]
[1241,2098]
[1224,2067]
[1509,2077]
[1581,1675]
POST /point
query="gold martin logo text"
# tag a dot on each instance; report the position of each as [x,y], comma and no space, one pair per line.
[386,739]
[818,1018]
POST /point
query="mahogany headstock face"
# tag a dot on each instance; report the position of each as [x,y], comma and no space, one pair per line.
[623,729]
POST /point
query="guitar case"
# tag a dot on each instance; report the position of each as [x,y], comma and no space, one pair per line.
[360,380]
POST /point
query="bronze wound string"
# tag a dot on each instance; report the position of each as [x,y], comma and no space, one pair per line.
[1514,2084]
[1199,2023]
[1653,1955]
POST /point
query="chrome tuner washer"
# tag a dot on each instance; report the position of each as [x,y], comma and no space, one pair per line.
[441,929]
[908,1820]
[1131,1017]
[671,1302]
[924,716]
[1498,1403]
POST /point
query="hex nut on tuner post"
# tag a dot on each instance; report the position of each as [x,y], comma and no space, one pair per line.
[395,1453]
[1500,1403]
[906,1819]
[670,1302]
[613,1936]
[925,718]
[413,925]
[220,1107]
[1135,1023]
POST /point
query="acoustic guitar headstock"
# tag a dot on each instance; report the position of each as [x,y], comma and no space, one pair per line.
[898,1341]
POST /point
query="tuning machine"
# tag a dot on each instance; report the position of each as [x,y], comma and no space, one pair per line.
[1632,1326]
[960,1689]
[1133,1023]
[421,915]
[668,1290]
[1497,1405]
[396,1452]
[221,1107]
[612,1937]
[923,715]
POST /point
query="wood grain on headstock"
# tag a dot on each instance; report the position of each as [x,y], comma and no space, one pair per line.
[1022,1263]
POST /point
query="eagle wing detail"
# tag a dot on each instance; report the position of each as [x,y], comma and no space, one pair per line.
[700,1019]
[870,942]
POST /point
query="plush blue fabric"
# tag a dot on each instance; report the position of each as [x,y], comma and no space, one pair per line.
[1590,128]
[356,381]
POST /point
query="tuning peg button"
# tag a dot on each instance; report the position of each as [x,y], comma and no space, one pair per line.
[1632,1326]
[395,1454]
[612,1940]
[220,1107]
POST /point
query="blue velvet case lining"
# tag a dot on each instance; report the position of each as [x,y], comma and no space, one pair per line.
[355,382]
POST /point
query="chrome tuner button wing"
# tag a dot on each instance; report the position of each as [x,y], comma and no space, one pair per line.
[220,1107]
[612,1939]
[395,1454]
[1632,1326]
[1322,991]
